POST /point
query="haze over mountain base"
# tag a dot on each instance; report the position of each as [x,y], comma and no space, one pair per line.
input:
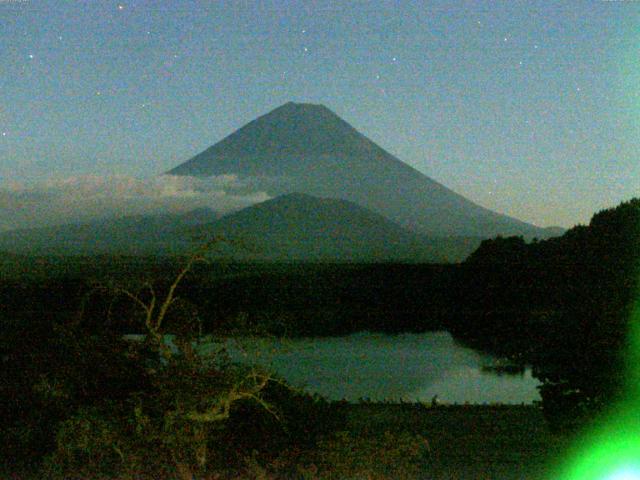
[296,184]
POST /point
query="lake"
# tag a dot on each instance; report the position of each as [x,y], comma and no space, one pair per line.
[409,366]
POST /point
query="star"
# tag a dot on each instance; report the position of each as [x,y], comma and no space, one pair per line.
[98,93]
[306,49]
[394,59]
[4,134]
[120,7]
[31,56]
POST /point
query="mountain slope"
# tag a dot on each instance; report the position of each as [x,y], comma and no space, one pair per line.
[308,148]
[293,227]
[302,227]
[133,235]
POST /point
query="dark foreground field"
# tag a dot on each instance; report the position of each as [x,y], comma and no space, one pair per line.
[467,442]
[413,441]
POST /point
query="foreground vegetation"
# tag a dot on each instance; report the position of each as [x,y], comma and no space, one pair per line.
[78,400]
[83,402]
[566,306]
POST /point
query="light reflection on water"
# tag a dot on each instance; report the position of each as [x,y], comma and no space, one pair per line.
[388,367]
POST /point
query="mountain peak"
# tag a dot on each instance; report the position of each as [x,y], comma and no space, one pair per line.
[314,113]
[290,130]
[307,148]
[301,106]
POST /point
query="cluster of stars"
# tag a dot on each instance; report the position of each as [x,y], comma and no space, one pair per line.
[507,38]
[305,49]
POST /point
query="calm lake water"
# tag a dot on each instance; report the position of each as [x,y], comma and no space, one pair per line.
[389,367]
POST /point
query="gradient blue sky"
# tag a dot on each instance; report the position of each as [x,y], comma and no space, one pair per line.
[529,108]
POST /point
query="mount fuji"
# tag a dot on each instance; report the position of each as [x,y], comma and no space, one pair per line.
[306,148]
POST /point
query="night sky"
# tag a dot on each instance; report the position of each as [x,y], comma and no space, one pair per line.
[528,108]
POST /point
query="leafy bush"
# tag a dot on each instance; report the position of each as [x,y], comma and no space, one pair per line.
[50,368]
[172,412]
[300,421]
[165,431]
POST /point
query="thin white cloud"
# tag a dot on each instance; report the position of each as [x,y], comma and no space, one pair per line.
[85,198]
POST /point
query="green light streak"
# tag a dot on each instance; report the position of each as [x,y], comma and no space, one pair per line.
[611,451]
[626,473]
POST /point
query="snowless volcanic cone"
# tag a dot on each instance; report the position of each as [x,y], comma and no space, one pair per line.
[309,149]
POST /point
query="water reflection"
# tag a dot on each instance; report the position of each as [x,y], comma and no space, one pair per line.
[389,367]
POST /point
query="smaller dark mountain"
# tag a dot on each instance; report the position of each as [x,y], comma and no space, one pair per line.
[132,235]
[292,227]
[300,227]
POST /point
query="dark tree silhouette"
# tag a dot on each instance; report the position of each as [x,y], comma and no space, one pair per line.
[562,305]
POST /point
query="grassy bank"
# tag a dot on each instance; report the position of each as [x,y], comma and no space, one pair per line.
[411,441]
[467,442]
